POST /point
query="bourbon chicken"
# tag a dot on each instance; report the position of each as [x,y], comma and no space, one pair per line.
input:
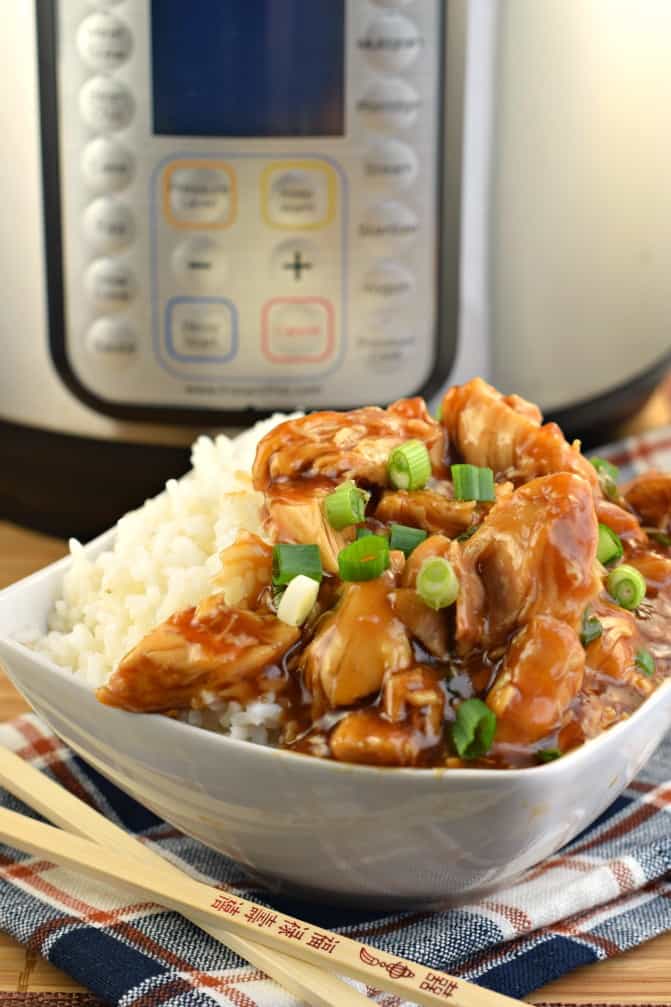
[467,590]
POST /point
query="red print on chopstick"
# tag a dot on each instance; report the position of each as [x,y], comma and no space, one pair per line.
[226,904]
[261,917]
[436,982]
[396,970]
[292,930]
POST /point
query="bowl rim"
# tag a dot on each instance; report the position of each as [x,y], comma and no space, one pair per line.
[573,758]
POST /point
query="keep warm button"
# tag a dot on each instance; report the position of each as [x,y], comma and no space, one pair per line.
[297,330]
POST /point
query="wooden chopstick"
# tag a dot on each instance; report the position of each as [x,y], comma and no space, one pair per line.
[304,981]
[204,904]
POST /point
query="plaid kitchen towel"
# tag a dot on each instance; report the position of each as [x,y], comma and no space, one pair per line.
[609,890]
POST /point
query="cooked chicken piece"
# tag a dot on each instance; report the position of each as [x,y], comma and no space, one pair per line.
[427,509]
[296,514]
[356,645]
[222,652]
[246,571]
[656,569]
[434,545]
[534,555]
[542,672]
[614,652]
[650,496]
[621,521]
[504,433]
[408,733]
[354,445]
[428,627]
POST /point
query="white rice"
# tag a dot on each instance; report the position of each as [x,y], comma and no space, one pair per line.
[164,557]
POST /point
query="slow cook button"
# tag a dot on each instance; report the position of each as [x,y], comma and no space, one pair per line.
[112,340]
[388,227]
[201,332]
[110,284]
[200,264]
[297,330]
[104,42]
[107,166]
[391,42]
[108,225]
[391,163]
[388,283]
[389,104]
[106,104]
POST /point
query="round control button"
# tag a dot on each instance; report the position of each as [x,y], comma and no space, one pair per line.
[388,283]
[106,104]
[388,227]
[390,162]
[297,330]
[102,4]
[391,42]
[107,166]
[108,225]
[200,331]
[389,104]
[104,42]
[392,4]
[200,264]
[112,340]
[199,195]
[110,284]
[298,198]
[295,262]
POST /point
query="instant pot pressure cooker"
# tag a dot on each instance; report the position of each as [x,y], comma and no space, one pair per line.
[214,211]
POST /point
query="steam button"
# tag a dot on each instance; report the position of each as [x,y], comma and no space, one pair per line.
[106,104]
[104,41]
[391,163]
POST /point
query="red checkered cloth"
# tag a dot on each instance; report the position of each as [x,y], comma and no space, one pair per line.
[607,891]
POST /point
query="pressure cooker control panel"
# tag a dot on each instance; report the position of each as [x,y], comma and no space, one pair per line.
[249,200]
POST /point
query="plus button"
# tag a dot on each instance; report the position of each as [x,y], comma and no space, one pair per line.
[297,265]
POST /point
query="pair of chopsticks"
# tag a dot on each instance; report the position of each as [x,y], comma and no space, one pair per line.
[295,954]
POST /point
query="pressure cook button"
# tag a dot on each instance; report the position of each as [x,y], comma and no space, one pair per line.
[199,195]
[108,225]
[201,331]
[106,104]
[388,227]
[112,340]
[107,166]
[388,283]
[199,264]
[391,163]
[389,104]
[391,42]
[104,42]
[110,284]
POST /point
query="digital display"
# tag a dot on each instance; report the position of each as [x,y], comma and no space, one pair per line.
[248,67]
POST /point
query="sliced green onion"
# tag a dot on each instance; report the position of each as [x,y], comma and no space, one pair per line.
[364,559]
[610,546]
[473,729]
[291,560]
[363,532]
[439,413]
[298,600]
[409,466]
[645,662]
[437,583]
[346,506]
[465,535]
[591,628]
[608,475]
[627,586]
[658,536]
[473,483]
[548,754]
[405,538]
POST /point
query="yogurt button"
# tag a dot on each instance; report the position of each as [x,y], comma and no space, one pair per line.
[199,264]
[107,166]
[113,341]
[388,283]
[391,42]
[108,225]
[106,104]
[389,104]
[104,41]
[110,284]
[391,163]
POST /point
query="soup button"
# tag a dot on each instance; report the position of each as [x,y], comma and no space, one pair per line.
[297,330]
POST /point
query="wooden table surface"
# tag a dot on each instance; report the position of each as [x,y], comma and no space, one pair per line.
[639,977]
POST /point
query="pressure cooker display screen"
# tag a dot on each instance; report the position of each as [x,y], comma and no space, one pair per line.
[248,67]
